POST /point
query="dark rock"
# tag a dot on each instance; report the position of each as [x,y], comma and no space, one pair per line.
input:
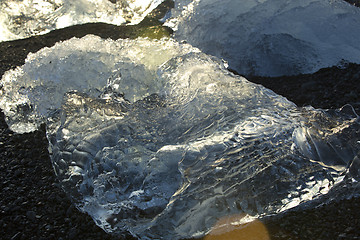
[69,211]
[17,173]
[16,236]
[31,215]
[72,233]
[354,2]
[48,227]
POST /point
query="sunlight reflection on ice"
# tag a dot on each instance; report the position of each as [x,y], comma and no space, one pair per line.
[158,139]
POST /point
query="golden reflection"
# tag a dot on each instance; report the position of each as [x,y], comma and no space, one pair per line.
[231,228]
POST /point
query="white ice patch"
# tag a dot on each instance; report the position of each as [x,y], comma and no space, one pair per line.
[31,93]
[158,139]
[271,37]
[21,19]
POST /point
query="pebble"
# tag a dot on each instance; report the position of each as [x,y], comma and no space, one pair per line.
[31,215]
[69,211]
[72,233]
[16,236]
[17,173]
[48,227]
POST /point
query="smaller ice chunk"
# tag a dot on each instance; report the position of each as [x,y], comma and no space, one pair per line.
[271,37]
[21,19]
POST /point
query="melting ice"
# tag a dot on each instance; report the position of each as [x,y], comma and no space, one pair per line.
[271,37]
[21,19]
[158,139]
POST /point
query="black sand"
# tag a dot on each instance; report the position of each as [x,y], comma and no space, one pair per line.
[33,206]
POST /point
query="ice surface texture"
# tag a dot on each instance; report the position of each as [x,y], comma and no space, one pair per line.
[158,139]
[271,37]
[21,19]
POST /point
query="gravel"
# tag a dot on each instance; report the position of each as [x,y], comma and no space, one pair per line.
[329,88]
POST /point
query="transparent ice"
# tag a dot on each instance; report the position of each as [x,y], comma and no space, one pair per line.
[21,19]
[158,139]
[271,37]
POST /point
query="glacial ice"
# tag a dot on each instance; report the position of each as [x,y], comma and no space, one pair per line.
[21,19]
[271,37]
[158,139]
